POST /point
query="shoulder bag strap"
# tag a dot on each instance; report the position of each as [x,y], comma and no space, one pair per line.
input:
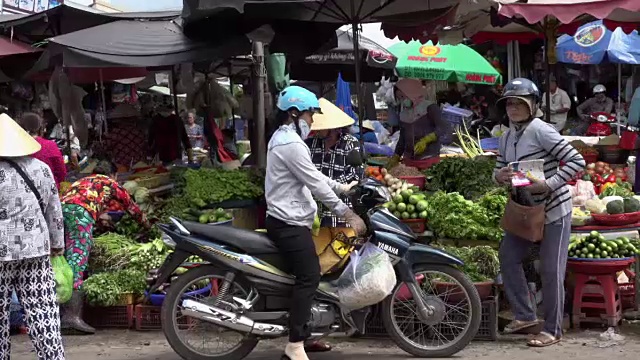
[27,181]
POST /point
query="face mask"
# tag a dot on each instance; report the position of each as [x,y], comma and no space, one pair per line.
[407,103]
[304,129]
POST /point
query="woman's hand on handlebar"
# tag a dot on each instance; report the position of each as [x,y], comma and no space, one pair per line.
[345,188]
[355,222]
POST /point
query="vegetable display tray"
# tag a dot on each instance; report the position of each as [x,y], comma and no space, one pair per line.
[616,220]
[598,266]
[604,228]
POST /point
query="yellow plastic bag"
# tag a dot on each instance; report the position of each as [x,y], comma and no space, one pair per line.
[333,246]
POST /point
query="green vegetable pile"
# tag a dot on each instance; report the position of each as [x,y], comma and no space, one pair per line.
[212,186]
[470,178]
[596,246]
[452,216]
[110,252]
[107,289]
[481,263]
[148,256]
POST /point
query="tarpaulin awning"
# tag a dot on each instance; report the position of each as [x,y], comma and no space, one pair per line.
[135,43]
[336,11]
[566,11]
[15,47]
[375,61]
[65,19]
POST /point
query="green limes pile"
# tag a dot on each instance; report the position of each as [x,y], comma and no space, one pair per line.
[596,246]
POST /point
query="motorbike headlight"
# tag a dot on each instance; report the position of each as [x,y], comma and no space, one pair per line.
[384,193]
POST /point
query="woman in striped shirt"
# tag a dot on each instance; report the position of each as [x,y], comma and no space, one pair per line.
[530,138]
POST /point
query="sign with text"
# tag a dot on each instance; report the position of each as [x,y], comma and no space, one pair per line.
[28,6]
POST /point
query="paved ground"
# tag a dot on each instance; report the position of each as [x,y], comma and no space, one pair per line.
[129,345]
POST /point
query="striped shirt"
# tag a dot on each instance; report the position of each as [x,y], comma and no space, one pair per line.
[539,140]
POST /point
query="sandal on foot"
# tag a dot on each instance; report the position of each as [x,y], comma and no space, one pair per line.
[543,339]
[518,325]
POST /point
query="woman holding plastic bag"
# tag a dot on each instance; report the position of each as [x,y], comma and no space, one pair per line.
[31,232]
[549,205]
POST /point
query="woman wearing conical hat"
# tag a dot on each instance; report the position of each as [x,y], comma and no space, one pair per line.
[31,231]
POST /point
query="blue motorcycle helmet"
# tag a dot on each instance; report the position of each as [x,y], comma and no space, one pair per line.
[299,98]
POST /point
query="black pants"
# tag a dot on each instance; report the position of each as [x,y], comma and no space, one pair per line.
[296,245]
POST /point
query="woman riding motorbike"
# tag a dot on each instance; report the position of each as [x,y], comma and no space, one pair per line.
[291,179]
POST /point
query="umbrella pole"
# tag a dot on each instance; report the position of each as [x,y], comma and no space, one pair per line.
[258,77]
[174,86]
[104,104]
[619,98]
[233,112]
[547,74]
[356,57]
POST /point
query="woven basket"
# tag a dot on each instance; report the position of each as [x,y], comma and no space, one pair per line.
[616,220]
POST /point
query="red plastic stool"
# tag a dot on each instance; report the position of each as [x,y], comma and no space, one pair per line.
[596,298]
[596,295]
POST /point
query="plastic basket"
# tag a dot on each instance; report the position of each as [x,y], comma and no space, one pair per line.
[616,220]
[418,181]
[112,317]
[455,115]
[490,143]
[488,330]
[147,318]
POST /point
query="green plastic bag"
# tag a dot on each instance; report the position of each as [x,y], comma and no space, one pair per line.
[64,278]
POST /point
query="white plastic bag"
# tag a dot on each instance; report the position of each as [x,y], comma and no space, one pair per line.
[368,279]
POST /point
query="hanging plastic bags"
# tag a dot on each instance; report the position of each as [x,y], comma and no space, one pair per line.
[64,278]
[367,280]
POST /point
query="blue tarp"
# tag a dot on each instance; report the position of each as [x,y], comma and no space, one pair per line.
[593,43]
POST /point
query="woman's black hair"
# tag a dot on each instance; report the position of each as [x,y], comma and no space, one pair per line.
[31,123]
[105,167]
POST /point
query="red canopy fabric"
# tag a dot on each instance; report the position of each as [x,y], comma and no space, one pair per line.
[566,11]
[10,47]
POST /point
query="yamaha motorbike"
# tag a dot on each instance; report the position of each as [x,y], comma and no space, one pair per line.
[241,294]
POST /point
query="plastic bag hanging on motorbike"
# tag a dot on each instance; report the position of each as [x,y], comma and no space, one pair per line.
[368,279]
[64,278]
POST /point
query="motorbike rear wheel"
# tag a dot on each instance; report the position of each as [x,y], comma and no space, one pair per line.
[404,334]
[171,325]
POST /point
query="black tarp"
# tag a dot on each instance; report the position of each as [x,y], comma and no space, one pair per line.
[64,19]
[139,44]
[375,61]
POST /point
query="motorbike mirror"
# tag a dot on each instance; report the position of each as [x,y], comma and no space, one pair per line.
[354,158]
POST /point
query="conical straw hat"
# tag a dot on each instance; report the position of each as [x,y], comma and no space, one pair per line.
[331,118]
[14,140]
[368,124]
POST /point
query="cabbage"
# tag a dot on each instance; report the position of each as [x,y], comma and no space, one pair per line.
[141,195]
[131,186]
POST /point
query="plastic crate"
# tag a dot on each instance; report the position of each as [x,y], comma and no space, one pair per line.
[112,317]
[147,318]
[418,226]
[488,330]
[455,115]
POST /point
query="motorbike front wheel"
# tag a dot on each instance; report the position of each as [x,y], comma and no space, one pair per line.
[456,313]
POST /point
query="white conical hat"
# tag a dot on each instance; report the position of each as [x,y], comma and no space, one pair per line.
[14,140]
[331,118]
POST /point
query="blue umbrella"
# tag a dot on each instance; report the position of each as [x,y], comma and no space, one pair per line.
[593,43]
[343,100]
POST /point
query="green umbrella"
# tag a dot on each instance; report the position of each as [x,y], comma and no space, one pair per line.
[453,63]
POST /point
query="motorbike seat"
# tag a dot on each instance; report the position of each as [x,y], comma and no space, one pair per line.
[252,242]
